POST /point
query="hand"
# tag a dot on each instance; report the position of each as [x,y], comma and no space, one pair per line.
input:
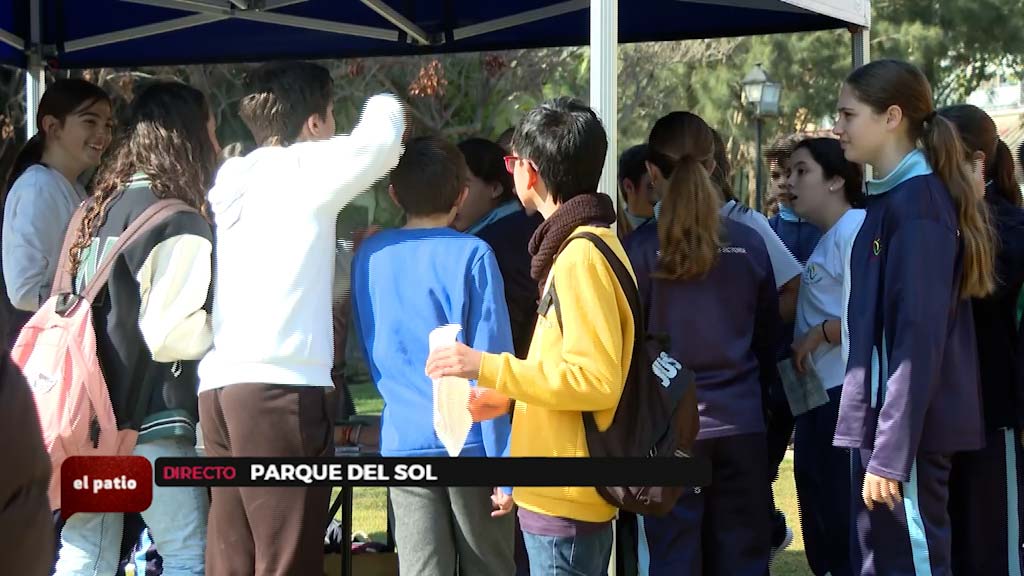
[485,404]
[883,490]
[807,343]
[456,360]
[502,503]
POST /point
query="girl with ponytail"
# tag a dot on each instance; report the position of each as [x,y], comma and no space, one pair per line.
[910,397]
[986,480]
[73,126]
[691,258]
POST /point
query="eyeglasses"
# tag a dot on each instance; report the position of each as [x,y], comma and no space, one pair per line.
[510,163]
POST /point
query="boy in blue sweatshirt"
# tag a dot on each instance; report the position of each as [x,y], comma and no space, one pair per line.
[405,283]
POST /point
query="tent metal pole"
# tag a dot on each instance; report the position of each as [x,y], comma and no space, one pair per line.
[34,76]
[860,37]
[519,19]
[604,59]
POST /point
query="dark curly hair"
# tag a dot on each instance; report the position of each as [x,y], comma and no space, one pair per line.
[167,140]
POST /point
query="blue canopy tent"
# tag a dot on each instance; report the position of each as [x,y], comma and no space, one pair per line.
[35,34]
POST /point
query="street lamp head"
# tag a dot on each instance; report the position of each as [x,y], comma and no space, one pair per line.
[760,93]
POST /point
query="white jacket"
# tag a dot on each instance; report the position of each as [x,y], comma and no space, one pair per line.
[275,212]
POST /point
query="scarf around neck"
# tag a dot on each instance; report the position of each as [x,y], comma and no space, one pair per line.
[578,211]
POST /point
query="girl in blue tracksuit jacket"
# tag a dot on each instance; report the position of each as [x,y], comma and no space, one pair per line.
[911,396]
[985,485]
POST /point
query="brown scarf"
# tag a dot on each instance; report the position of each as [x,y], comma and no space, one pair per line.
[594,209]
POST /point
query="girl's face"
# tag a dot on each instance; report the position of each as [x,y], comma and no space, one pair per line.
[808,191]
[480,200]
[84,135]
[861,131]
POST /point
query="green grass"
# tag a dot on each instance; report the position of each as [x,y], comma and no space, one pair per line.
[370,513]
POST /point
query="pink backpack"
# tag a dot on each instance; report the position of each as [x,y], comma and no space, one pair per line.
[56,351]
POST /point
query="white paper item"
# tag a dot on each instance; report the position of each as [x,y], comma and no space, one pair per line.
[452,420]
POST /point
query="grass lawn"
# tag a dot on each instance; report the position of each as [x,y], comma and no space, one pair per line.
[370,515]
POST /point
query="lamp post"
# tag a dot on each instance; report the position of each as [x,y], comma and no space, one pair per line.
[761,95]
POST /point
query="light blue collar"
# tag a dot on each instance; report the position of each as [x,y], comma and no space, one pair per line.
[634,220]
[913,165]
[657,209]
[786,213]
[506,209]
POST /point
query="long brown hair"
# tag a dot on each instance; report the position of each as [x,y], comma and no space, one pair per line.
[167,140]
[689,225]
[979,134]
[885,83]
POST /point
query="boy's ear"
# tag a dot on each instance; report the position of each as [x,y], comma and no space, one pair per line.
[495,191]
[393,196]
[316,126]
[465,193]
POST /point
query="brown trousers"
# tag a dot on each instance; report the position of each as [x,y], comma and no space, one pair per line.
[267,531]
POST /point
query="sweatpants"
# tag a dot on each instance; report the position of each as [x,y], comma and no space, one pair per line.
[914,539]
[439,530]
[263,531]
[822,474]
[985,507]
[721,529]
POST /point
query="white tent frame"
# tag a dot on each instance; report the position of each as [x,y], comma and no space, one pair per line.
[604,40]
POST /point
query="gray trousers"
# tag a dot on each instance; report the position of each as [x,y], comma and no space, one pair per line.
[446,531]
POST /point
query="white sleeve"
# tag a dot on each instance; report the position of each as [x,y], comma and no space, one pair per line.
[341,168]
[33,232]
[174,283]
[784,264]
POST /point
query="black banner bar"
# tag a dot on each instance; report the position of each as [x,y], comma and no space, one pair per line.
[377,471]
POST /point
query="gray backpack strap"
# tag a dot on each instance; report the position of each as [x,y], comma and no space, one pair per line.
[149,219]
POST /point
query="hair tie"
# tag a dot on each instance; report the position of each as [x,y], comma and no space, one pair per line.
[931,116]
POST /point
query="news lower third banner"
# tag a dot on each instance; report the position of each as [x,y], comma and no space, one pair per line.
[378,471]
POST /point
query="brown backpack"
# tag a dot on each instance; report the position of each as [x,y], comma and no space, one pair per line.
[657,413]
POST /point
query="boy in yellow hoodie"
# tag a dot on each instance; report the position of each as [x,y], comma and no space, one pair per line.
[582,344]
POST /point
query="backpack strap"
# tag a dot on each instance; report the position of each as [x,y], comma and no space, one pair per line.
[621,273]
[62,283]
[149,219]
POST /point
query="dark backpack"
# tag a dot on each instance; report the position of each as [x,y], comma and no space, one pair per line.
[657,414]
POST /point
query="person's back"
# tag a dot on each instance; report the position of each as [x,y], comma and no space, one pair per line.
[720,343]
[405,284]
[265,388]
[456,282]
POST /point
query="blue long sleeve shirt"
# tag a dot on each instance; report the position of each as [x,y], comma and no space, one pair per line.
[912,374]
[405,283]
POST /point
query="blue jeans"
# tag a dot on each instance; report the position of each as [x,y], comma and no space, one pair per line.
[581,555]
[90,543]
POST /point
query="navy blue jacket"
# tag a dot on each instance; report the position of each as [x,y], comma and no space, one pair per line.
[912,376]
[995,318]
[723,326]
[509,238]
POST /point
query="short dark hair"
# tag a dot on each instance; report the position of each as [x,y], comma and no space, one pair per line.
[633,164]
[486,161]
[429,177]
[281,96]
[828,153]
[566,141]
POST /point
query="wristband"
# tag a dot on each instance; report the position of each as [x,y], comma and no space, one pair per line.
[824,333]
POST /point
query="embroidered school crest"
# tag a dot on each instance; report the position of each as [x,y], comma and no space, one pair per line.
[812,275]
[876,246]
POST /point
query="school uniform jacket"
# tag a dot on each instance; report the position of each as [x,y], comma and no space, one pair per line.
[912,375]
[151,320]
[723,326]
[995,318]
